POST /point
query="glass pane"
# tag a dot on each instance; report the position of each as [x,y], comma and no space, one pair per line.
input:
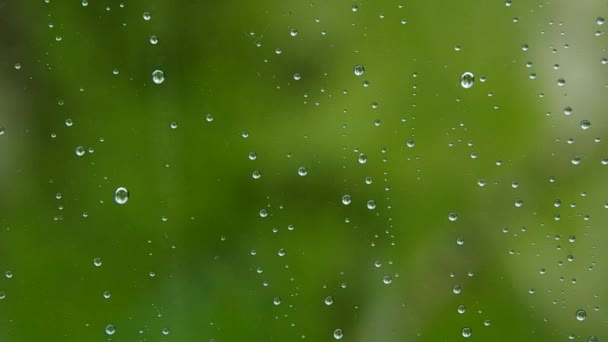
[301,170]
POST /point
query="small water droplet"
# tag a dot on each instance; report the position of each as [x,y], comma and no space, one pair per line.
[107,294]
[359,70]
[581,315]
[79,151]
[297,76]
[276,301]
[146,16]
[561,82]
[329,300]
[585,124]
[467,79]
[302,171]
[461,309]
[110,329]
[97,262]
[387,279]
[121,195]
[165,331]
[346,199]
[158,76]
[293,32]
[466,332]
[371,204]
[338,334]
[452,216]
[153,40]
[362,158]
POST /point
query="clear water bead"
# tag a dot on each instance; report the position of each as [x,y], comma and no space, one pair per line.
[359,70]
[121,195]
[467,79]
[581,315]
[158,76]
[338,334]
[110,329]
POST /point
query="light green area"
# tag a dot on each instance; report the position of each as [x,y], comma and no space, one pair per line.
[189,250]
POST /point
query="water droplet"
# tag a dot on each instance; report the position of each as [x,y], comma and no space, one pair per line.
[585,124]
[346,199]
[276,301]
[371,204]
[69,122]
[146,16]
[153,40]
[158,76]
[359,70]
[467,79]
[302,171]
[79,151]
[354,8]
[466,332]
[508,3]
[362,158]
[297,76]
[256,174]
[487,322]
[338,334]
[165,331]
[387,279]
[410,143]
[263,213]
[107,294]
[460,241]
[461,309]
[209,118]
[293,32]
[8,274]
[592,339]
[456,289]
[581,315]
[329,300]
[453,216]
[600,21]
[110,329]
[84,3]
[561,82]
[97,262]
[173,125]
[576,160]
[121,195]
[519,203]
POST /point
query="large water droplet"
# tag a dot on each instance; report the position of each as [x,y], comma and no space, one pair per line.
[121,195]
[453,216]
[302,171]
[346,199]
[338,334]
[581,315]
[110,329]
[158,76]
[467,79]
[359,70]
[329,300]
[467,332]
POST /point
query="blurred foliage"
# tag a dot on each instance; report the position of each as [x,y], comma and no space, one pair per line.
[190,251]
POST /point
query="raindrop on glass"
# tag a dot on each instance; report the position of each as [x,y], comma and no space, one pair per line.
[338,334]
[158,76]
[467,79]
[359,70]
[121,195]
[371,204]
[79,151]
[346,199]
[110,329]
[581,315]
[452,216]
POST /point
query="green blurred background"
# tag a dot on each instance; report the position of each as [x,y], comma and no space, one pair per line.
[205,250]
